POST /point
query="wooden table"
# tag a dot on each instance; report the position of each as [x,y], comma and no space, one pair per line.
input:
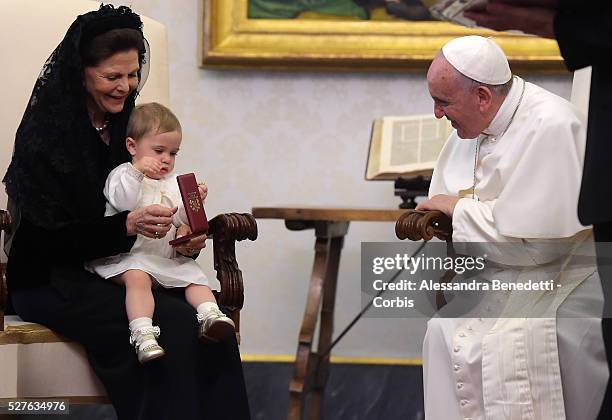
[330,225]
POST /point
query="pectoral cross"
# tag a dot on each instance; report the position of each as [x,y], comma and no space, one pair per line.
[468,192]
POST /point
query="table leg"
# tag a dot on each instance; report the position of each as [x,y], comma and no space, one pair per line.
[309,372]
[326,328]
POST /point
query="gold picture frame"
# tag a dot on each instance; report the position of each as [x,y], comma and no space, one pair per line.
[229,39]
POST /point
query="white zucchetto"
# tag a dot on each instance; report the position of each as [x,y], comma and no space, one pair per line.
[478,58]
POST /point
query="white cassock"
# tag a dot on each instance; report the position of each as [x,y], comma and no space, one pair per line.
[526,192]
[128,189]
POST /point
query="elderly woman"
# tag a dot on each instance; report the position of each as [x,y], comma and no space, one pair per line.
[71,136]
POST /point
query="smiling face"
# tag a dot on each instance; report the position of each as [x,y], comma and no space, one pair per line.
[466,106]
[163,147]
[110,82]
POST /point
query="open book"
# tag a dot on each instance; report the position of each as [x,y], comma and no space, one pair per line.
[452,10]
[405,146]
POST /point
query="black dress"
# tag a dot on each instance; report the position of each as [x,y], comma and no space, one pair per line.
[49,286]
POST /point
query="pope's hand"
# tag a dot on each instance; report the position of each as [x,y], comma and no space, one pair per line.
[444,203]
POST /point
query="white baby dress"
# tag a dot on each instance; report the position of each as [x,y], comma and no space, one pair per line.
[128,189]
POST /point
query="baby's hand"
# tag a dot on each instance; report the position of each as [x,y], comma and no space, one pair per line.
[149,166]
[203,189]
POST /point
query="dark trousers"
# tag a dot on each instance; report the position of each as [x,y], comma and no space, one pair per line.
[603,237]
[192,381]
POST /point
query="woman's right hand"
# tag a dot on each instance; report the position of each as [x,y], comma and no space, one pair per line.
[153,221]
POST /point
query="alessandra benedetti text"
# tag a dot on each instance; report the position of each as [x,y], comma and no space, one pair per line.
[470,285]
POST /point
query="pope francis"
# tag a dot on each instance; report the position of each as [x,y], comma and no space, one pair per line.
[510,174]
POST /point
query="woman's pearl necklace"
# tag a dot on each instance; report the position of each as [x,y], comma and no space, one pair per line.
[104,126]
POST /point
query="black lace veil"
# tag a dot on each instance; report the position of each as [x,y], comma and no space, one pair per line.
[59,163]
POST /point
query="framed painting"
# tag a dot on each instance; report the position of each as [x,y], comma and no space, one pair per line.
[245,34]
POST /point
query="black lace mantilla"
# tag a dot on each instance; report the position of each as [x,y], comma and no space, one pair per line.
[59,163]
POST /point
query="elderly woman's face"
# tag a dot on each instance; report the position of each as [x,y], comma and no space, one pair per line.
[110,82]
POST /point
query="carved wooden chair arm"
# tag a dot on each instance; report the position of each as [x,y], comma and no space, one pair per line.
[226,229]
[5,222]
[424,225]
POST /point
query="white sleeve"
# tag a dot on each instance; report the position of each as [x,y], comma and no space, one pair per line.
[122,188]
[180,217]
[473,222]
[474,232]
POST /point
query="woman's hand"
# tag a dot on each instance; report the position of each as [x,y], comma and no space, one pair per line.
[193,246]
[152,221]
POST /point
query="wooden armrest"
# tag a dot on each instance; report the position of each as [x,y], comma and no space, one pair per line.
[226,229]
[424,225]
[5,222]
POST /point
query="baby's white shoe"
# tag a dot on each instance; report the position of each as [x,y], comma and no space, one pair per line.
[215,325]
[145,343]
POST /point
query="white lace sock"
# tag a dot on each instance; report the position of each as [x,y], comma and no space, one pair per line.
[204,308]
[135,328]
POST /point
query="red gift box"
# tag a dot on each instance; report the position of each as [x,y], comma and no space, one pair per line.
[194,208]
